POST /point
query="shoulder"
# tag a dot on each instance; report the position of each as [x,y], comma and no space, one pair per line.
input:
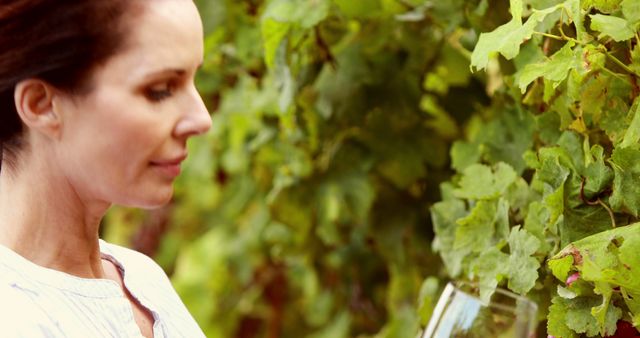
[23,317]
[147,281]
[132,260]
[139,269]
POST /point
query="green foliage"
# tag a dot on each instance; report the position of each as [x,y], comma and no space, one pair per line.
[580,84]
[356,163]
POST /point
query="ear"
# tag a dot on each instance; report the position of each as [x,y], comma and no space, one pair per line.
[34,103]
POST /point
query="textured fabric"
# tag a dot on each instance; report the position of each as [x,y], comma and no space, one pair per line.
[38,302]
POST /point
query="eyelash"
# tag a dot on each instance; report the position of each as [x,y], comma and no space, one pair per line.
[157,95]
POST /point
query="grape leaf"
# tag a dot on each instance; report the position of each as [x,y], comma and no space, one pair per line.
[359,8]
[635,59]
[273,33]
[481,182]
[506,138]
[535,223]
[616,28]
[580,319]
[463,154]
[490,267]
[629,255]
[557,318]
[609,260]
[631,11]
[427,299]
[555,69]
[606,314]
[507,38]
[632,135]
[444,215]
[626,167]
[485,225]
[560,267]
[556,165]
[602,248]
[614,121]
[523,269]
[598,175]
[606,6]
[575,14]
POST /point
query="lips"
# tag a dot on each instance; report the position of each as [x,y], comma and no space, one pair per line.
[169,167]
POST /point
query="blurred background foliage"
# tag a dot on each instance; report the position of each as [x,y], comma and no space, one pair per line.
[305,211]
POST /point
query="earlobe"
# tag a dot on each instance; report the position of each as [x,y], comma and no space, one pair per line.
[34,102]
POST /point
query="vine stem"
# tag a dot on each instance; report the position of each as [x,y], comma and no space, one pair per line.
[613,218]
[597,202]
[619,63]
[555,37]
[606,52]
[560,38]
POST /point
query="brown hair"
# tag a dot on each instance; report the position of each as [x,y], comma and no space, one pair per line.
[60,42]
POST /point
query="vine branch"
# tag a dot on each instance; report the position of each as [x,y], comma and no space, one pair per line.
[596,202]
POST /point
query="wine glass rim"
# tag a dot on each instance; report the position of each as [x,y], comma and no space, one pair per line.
[457,287]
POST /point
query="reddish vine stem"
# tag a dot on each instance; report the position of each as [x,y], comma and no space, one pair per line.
[327,55]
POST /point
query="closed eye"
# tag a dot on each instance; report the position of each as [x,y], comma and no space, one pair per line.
[160,91]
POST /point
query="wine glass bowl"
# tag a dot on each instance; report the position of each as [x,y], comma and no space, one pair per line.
[460,313]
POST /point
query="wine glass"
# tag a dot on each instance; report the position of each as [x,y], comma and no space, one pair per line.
[460,313]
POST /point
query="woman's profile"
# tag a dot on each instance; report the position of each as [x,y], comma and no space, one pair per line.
[97,101]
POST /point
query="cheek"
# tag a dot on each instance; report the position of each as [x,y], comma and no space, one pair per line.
[117,138]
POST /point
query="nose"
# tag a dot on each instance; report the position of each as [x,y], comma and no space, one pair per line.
[196,119]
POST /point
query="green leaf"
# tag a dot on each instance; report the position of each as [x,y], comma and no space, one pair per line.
[536,223]
[303,13]
[605,257]
[506,138]
[556,165]
[464,154]
[606,314]
[614,119]
[273,34]
[598,175]
[635,59]
[557,319]
[593,95]
[481,182]
[616,28]
[523,269]
[548,126]
[490,267]
[579,317]
[555,69]
[626,191]
[338,327]
[575,14]
[632,135]
[440,121]
[507,38]
[582,220]
[359,8]
[427,299]
[560,267]
[444,216]
[606,6]
[631,11]
[483,227]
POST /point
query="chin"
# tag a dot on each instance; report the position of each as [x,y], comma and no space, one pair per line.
[154,200]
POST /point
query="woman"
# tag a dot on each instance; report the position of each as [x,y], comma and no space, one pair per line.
[97,102]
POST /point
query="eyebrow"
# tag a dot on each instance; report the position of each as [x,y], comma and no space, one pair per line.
[167,71]
[170,71]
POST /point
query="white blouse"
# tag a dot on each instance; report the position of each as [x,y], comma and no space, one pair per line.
[37,302]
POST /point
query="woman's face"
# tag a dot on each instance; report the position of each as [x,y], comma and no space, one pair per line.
[123,142]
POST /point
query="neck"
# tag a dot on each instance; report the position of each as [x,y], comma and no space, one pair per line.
[44,220]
